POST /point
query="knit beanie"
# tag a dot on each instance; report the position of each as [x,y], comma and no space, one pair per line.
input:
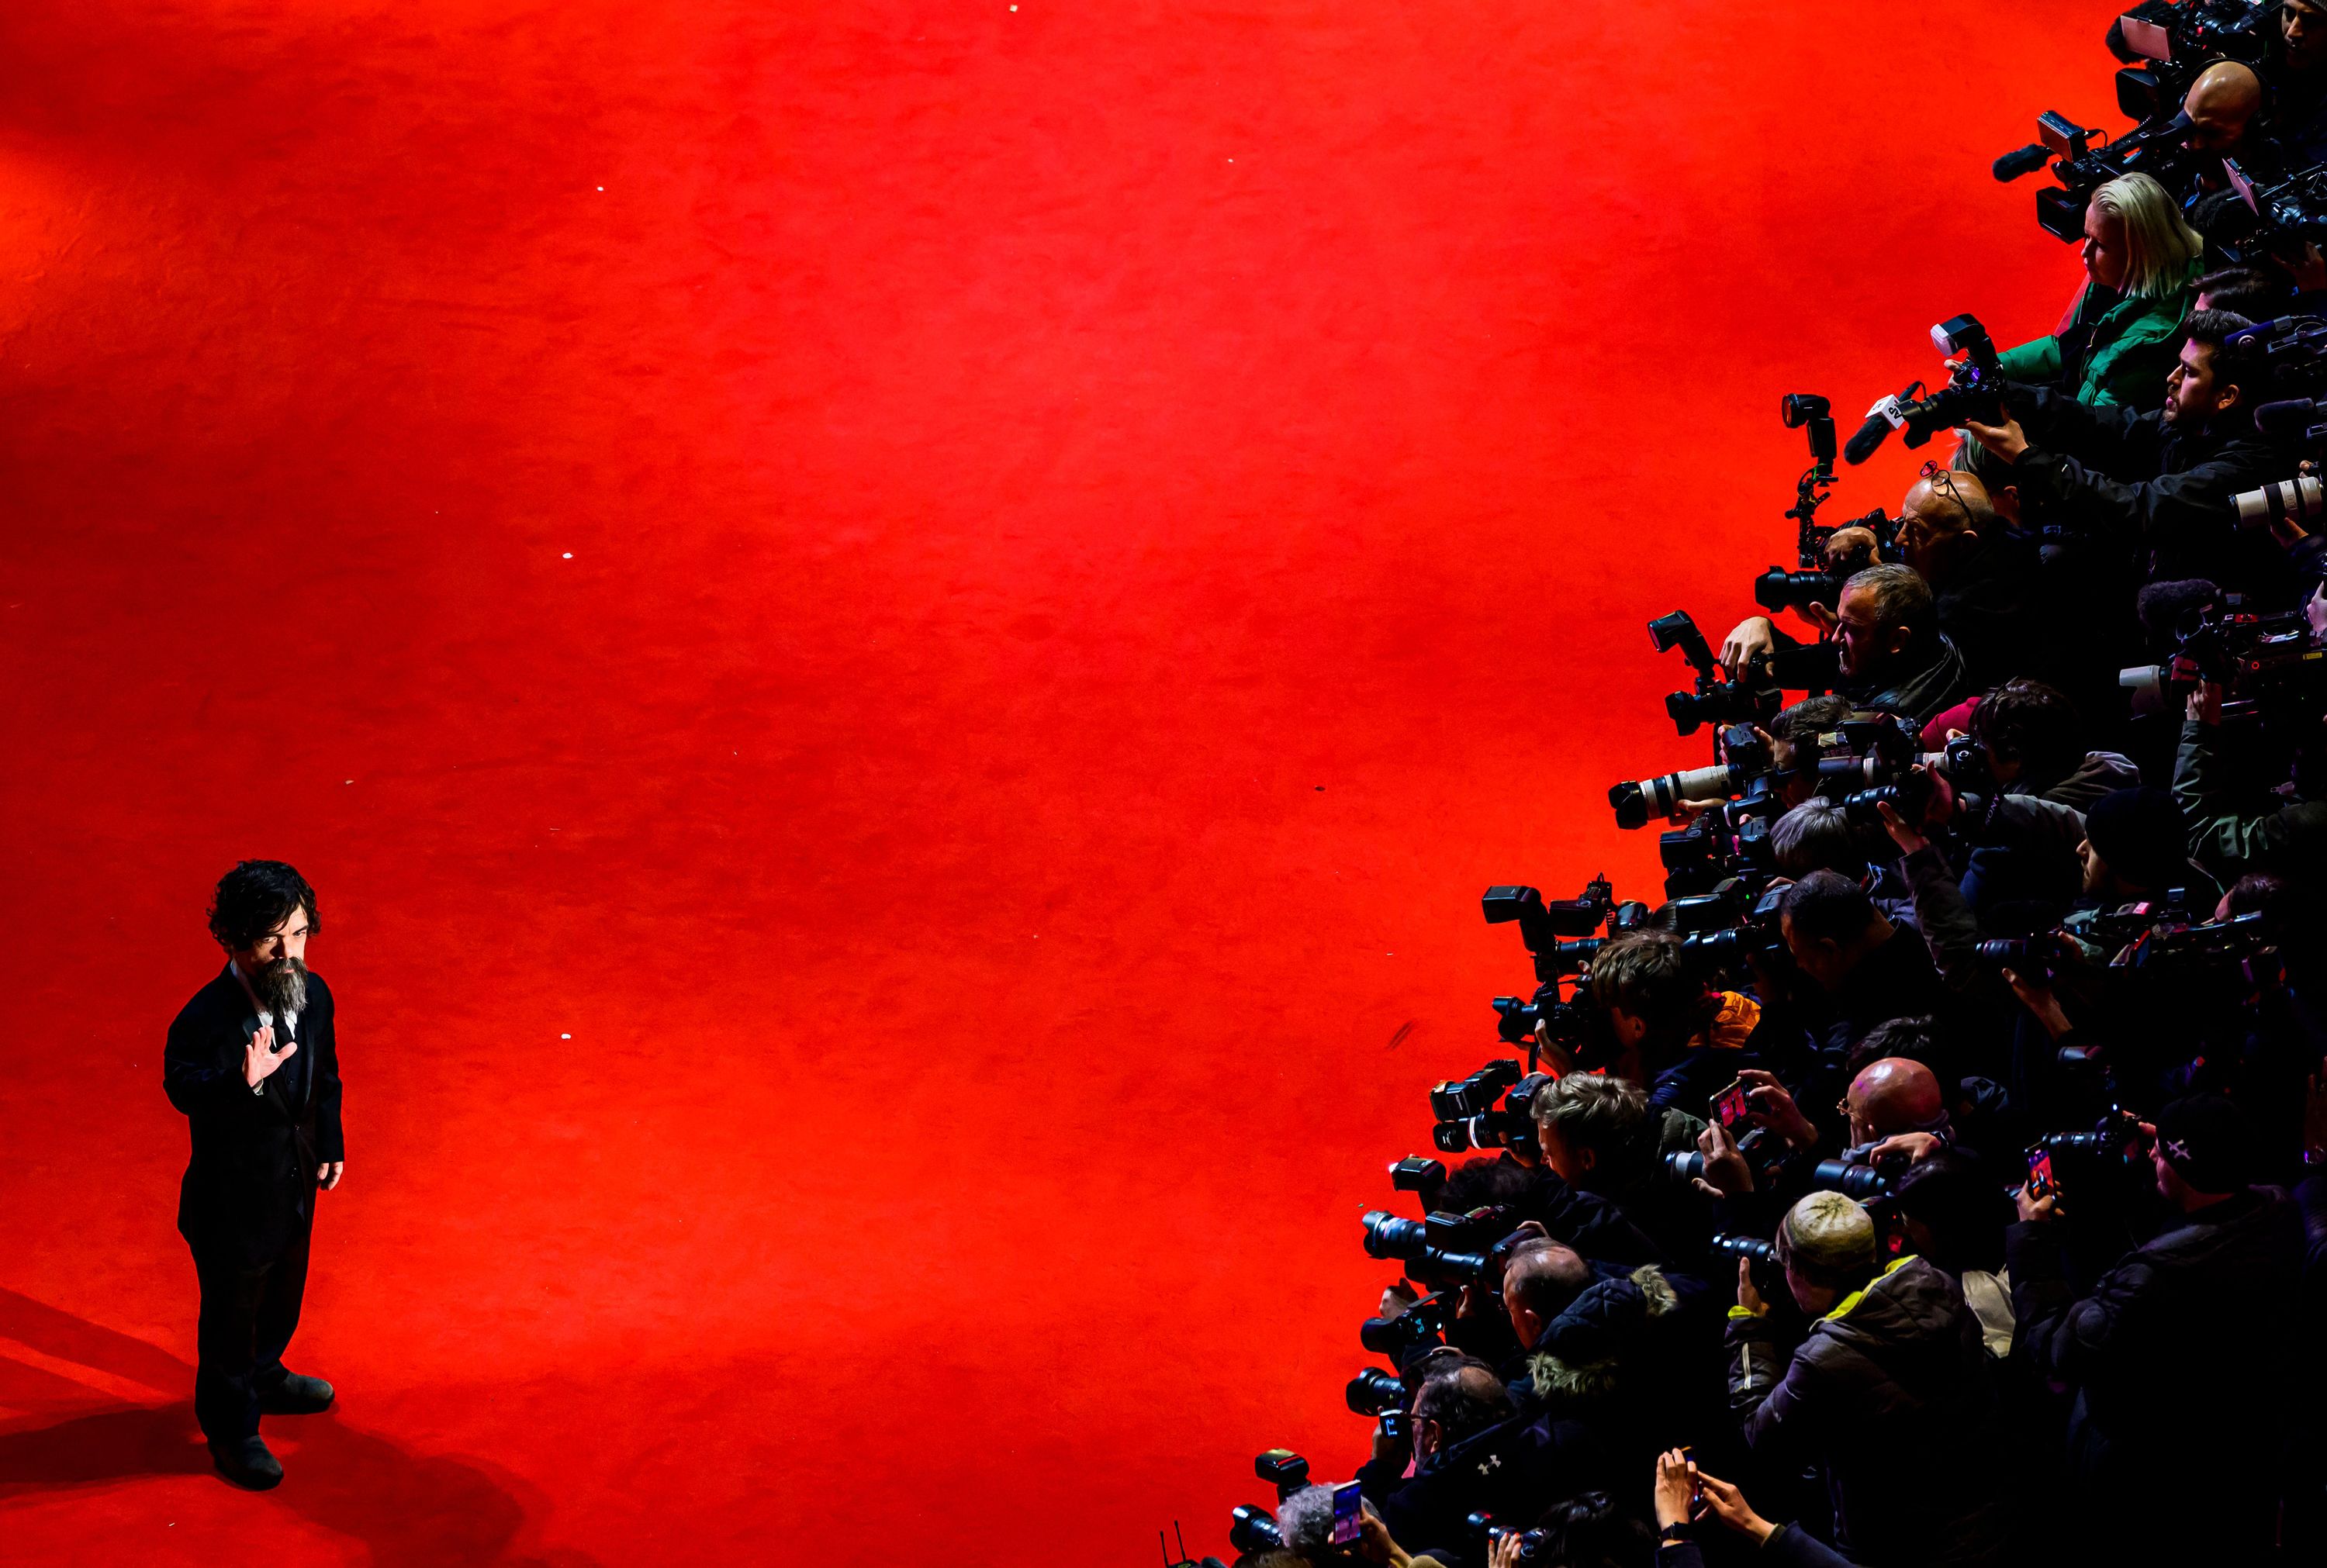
[2207,1141]
[2141,834]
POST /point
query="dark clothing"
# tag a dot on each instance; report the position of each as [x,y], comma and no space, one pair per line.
[1789,1546]
[1986,604]
[2179,1358]
[2232,836]
[1894,1394]
[245,1205]
[2132,481]
[1510,1471]
[1925,682]
[250,1184]
[1896,980]
[248,1316]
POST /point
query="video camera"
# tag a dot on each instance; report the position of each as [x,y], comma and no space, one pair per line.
[2254,658]
[1975,391]
[2165,43]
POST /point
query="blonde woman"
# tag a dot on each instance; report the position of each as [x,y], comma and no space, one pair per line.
[2118,339]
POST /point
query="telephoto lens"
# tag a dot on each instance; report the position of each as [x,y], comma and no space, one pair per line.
[1859,1182]
[1636,802]
[1253,1529]
[1685,1166]
[1373,1391]
[1393,1236]
[2293,501]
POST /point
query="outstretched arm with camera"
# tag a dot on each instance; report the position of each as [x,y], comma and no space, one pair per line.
[1949,929]
[2223,838]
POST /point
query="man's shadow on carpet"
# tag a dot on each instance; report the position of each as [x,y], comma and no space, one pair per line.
[409,1508]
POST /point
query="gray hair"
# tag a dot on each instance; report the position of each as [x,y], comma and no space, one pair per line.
[1899,595]
[1817,835]
[1305,1520]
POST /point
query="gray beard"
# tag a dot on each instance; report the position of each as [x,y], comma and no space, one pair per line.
[281,988]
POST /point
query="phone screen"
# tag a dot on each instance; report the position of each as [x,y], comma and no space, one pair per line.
[1345,1513]
[1730,1105]
[2040,1173]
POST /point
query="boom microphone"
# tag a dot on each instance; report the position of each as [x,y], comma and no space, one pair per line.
[2290,416]
[2165,608]
[2026,161]
[1880,421]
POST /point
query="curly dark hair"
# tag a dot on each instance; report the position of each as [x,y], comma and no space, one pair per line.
[2034,725]
[255,898]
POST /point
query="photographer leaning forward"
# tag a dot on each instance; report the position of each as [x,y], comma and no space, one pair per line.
[2117,343]
[2179,1356]
[1890,1390]
[1887,652]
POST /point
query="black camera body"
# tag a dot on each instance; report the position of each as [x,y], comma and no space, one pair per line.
[1974,390]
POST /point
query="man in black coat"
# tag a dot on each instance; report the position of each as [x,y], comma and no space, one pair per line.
[253,1063]
[1890,1393]
[2155,483]
[2181,1357]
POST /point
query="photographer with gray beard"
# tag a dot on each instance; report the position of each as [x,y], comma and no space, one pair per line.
[253,1063]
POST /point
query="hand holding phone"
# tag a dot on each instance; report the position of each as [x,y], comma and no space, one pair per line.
[1730,1108]
[1348,1506]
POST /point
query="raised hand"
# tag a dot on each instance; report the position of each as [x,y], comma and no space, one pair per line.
[1728,1505]
[260,1058]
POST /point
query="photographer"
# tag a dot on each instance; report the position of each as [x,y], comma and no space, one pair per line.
[2031,737]
[2154,482]
[1867,970]
[2137,850]
[1887,652]
[1305,1520]
[1601,1136]
[1819,836]
[2120,335]
[1890,1393]
[1684,1493]
[2298,81]
[1470,1453]
[2178,1356]
[2232,833]
[1676,1038]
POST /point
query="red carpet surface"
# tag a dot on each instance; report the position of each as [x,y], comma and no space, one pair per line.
[900,637]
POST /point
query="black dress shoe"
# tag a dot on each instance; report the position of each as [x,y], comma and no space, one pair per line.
[296,1394]
[247,1464]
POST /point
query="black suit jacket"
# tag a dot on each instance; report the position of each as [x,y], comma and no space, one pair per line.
[250,1185]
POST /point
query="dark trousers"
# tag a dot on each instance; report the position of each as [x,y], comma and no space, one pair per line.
[249,1315]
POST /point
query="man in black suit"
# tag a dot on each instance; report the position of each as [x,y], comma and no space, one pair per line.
[253,1064]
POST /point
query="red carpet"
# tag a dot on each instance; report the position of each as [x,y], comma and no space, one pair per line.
[966,597]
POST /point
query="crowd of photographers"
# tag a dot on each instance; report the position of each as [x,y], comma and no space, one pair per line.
[1939,1168]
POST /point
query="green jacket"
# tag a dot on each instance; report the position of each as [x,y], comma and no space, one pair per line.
[2127,358]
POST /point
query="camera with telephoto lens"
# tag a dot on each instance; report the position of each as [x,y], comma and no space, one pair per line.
[1747,927]
[2118,1134]
[1467,1112]
[1760,1258]
[1743,768]
[1528,1546]
[1443,1249]
[1373,1391]
[2039,957]
[1851,1180]
[1975,391]
[1252,1529]
[1864,751]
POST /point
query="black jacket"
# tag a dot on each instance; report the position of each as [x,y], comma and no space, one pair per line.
[1986,606]
[2127,476]
[1893,1393]
[251,1181]
[1927,682]
[1514,1471]
[2180,1357]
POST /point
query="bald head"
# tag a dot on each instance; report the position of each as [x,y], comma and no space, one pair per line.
[2220,103]
[1941,519]
[1890,1095]
[1542,1281]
